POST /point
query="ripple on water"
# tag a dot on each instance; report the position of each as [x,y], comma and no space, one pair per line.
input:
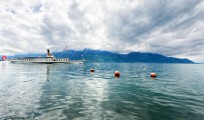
[62,91]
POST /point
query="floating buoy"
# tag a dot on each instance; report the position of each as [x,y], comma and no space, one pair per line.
[92,70]
[117,74]
[4,57]
[153,75]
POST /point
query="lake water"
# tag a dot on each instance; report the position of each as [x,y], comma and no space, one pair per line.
[68,91]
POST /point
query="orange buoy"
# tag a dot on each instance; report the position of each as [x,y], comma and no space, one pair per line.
[92,70]
[117,74]
[153,75]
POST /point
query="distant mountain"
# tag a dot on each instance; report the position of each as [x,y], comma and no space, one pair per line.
[105,56]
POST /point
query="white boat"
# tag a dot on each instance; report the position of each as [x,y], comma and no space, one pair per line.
[49,59]
[77,61]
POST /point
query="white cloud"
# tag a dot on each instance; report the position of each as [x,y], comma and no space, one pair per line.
[172,28]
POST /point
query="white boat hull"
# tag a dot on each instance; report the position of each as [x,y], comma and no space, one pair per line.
[46,60]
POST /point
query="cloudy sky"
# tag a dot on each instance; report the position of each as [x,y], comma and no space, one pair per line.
[169,27]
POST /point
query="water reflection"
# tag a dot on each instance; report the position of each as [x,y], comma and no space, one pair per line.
[3,65]
[20,91]
[72,92]
[48,72]
[65,91]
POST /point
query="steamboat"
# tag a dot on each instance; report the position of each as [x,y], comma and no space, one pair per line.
[48,60]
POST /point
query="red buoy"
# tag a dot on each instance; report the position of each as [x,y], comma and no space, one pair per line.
[153,75]
[4,57]
[117,74]
[92,70]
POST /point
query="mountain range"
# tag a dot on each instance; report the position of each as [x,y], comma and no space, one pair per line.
[106,56]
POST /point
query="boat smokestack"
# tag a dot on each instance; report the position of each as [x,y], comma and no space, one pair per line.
[48,53]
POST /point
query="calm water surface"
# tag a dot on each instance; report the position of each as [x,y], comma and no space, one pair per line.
[65,91]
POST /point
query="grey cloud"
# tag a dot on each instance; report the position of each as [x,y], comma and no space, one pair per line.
[164,18]
[37,8]
[158,13]
[169,27]
[50,30]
